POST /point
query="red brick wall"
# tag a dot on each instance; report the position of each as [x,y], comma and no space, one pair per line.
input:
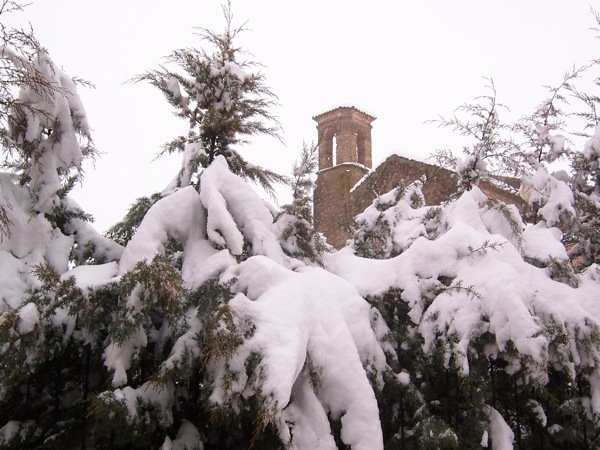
[335,206]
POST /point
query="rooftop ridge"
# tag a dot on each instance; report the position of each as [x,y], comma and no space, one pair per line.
[354,108]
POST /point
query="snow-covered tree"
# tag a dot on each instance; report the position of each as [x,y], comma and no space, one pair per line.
[123,231]
[528,149]
[489,151]
[560,199]
[202,334]
[295,222]
[490,349]
[224,100]
[211,320]
[45,138]
[495,333]
[376,232]
[586,190]
[585,235]
[543,139]
[217,343]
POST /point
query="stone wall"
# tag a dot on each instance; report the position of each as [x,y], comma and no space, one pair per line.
[338,200]
[334,203]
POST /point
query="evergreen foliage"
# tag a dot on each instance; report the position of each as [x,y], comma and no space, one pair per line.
[527,149]
[453,377]
[585,234]
[207,319]
[457,385]
[44,120]
[376,231]
[223,102]
[298,235]
[490,151]
[123,231]
[45,138]
[171,344]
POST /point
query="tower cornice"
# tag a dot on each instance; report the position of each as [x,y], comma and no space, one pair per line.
[344,110]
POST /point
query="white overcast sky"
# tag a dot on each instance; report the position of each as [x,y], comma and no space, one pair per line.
[405,62]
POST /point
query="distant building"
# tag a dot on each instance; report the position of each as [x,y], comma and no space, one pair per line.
[346,185]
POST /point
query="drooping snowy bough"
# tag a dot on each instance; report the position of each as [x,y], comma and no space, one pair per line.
[489,321]
[219,323]
[44,137]
[235,317]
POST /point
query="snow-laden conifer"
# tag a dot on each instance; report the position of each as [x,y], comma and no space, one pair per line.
[585,235]
[484,338]
[378,232]
[266,354]
[296,222]
[489,319]
[204,334]
[452,326]
[45,137]
[224,99]
[489,150]
[586,189]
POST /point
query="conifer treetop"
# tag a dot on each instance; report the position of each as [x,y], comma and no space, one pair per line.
[224,100]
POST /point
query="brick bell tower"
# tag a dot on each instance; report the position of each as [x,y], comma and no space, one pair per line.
[344,158]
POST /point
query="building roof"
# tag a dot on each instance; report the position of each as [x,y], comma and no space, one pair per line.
[321,116]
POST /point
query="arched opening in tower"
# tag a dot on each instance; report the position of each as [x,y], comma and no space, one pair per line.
[334,146]
[326,148]
[361,150]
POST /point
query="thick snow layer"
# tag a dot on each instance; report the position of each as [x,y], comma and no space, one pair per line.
[539,412]
[86,235]
[235,213]
[188,438]
[27,233]
[309,418]
[225,214]
[9,430]
[492,289]
[393,218]
[501,434]
[541,242]
[28,318]
[591,149]
[178,216]
[54,124]
[93,276]
[323,333]
[118,357]
[329,325]
[32,242]
[553,197]
[63,113]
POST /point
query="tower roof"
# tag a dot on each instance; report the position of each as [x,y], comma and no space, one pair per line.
[344,110]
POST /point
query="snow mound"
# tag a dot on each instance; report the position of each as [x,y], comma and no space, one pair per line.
[320,336]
